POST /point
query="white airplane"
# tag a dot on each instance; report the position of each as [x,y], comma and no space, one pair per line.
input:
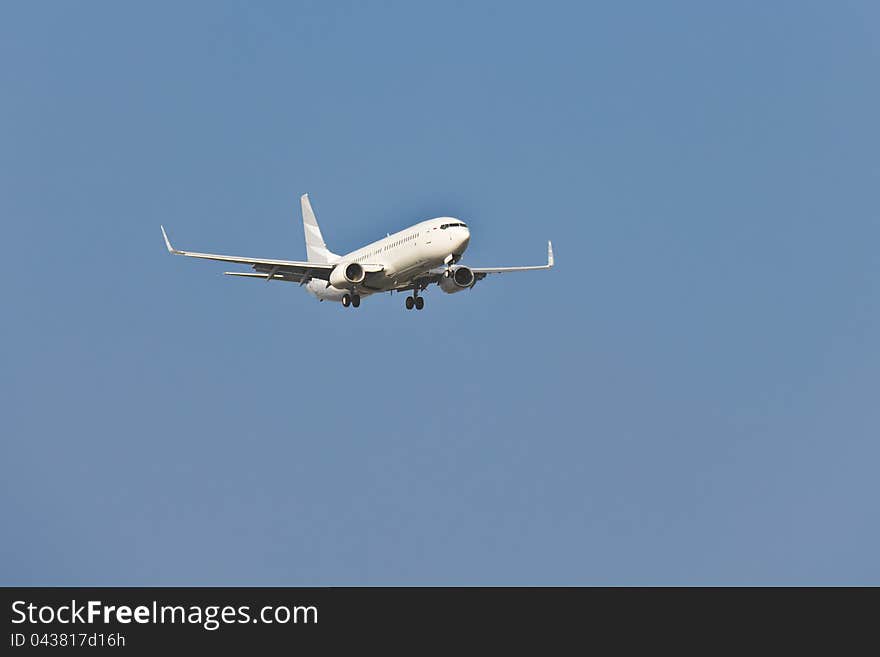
[409,260]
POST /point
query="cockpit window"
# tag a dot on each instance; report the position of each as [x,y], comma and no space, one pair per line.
[445,226]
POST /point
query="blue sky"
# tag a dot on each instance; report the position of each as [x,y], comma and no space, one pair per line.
[690,397]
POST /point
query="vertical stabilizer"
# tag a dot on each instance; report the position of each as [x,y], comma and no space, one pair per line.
[316,250]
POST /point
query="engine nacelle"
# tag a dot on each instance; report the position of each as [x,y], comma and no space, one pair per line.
[461,278]
[345,275]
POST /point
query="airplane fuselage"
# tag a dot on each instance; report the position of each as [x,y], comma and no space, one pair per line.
[403,256]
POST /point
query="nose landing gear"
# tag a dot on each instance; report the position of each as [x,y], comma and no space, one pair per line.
[415,301]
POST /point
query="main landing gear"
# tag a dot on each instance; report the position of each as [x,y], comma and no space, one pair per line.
[351,300]
[415,301]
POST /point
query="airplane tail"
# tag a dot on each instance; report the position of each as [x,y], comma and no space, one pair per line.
[316,249]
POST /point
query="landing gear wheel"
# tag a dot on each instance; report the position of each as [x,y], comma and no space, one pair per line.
[409,303]
[346,300]
[420,303]
[356,300]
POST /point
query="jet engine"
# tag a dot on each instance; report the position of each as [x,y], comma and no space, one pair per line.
[459,278]
[346,275]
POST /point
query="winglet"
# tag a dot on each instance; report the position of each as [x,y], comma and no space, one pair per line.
[549,254]
[171,249]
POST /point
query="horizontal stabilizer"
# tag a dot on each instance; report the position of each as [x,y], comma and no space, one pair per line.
[290,278]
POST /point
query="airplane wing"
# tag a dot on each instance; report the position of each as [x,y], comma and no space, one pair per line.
[481,272]
[435,275]
[287,269]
